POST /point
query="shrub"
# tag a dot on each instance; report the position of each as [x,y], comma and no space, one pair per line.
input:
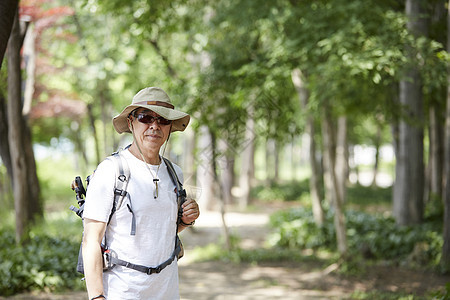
[43,263]
[290,191]
[442,295]
[295,228]
[362,195]
[373,236]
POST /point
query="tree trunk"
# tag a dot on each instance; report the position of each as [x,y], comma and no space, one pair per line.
[333,189]
[80,150]
[4,145]
[105,112]
[226,167]
[435,153]
[15,133]
[341,167]
[35,205]
[377,156]
[268,163]
[205,171]
[8,9]
[26,186]
[188,157]
[314,180]
[29,53]
[225,231]
[409,183]
[247,163]
[105,117]
[94,133]
[293,159]
[329,145]
[276,160]
[445,258]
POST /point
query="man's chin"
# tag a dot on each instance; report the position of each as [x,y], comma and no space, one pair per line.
[153,141]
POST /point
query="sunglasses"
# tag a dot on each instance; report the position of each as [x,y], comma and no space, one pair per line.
[149,119]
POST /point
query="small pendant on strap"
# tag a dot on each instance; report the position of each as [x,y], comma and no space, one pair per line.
[155,192]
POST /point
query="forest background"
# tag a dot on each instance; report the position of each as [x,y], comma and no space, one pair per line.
[280,93]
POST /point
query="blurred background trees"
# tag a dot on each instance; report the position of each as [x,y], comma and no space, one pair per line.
[273,87]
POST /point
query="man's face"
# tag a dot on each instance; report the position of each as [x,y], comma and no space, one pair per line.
[150,132]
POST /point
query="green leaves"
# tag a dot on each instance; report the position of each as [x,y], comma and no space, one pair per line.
[372,236]
[220,58]
[44,263]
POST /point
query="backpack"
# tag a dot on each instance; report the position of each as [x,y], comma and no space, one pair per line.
[122,174]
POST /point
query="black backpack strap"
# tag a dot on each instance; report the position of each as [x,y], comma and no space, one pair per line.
[180,191]
[120,187]
[122,176]
[181,197]
[113,260]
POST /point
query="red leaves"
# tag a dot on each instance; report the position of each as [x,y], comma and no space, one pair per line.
[59,106]
[35,10]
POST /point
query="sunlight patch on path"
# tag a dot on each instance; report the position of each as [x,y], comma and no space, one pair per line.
[214,219]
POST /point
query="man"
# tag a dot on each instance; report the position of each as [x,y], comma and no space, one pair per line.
[150,205]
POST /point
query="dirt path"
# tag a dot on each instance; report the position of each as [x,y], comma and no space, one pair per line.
[306,280]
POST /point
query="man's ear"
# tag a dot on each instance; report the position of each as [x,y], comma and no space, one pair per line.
[129,124]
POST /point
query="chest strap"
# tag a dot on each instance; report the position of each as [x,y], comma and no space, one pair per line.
[112,261]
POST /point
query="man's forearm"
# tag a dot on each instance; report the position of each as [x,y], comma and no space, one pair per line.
[93,268]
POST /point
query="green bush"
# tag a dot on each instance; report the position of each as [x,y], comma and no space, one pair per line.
[295,228]
[442,295]
[289,191]
[363,195]
[372,236]
[45,262]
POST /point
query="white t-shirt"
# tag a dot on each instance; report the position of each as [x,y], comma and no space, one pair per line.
[156,227]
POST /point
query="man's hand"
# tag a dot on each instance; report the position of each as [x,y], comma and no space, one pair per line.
[190,211]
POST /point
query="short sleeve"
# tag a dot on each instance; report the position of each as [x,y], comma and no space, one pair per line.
[100,192]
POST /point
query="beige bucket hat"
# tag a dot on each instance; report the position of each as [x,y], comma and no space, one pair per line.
[154,99]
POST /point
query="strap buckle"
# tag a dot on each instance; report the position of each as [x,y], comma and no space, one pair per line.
[122,177]
[182,193]
[156,270]
[119,192]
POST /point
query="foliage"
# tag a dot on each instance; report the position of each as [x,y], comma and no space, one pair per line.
[357,195]
[295,228]
[289,191]
[371,236]
[442,295]
[377,295]
[45,263]
[363,196]
[229,61]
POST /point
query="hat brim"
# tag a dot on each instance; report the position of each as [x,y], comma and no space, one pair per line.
[179,118]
